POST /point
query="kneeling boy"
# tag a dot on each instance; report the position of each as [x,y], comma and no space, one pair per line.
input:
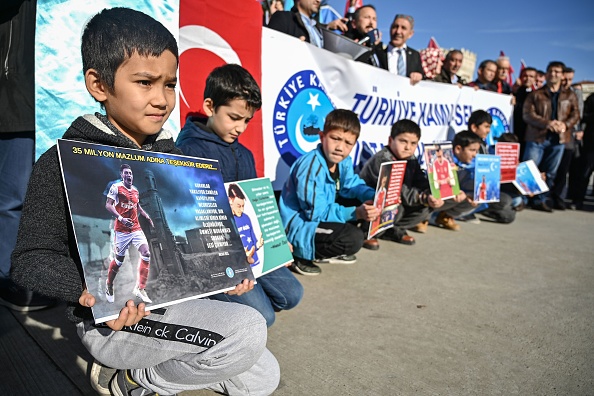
[317,225]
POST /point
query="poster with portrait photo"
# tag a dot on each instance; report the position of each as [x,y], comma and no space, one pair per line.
[441,170]
[151,227]
[259,225]
[487,178]
[387,196]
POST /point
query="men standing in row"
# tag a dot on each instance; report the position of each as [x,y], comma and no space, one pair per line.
[503,67]
[451,66]
[301,22]
[550,114]
[527,80]
[398,58]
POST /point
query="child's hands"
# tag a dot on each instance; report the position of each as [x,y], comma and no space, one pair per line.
[367,211]
[433,202]
[472,201]
[129,315]
[460,197]
[241,288]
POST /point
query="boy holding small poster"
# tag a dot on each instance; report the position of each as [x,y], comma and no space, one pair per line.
[416,200]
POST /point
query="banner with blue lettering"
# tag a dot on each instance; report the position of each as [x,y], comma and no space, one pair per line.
[60,93]
[302,83]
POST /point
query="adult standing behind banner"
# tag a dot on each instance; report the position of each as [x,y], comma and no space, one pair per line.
[17,137]
[550,114]
[398,58]
[302,22]
[363,29]
[451,66]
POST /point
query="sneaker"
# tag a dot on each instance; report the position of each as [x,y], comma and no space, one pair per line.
[343,259]
[445,221]
[100,376]
[141,293]
[305,267]
[109,292]
[122,384]
[469,218]
[22,300]
[421,228]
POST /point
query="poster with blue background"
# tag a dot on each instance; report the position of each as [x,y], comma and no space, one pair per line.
[487,178]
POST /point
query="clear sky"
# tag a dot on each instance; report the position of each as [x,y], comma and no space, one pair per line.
[536,31]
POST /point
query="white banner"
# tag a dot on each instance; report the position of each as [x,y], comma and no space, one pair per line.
[302,83]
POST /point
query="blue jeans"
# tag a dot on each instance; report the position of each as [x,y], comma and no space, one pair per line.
[547,156]
[276,291]
[17,154]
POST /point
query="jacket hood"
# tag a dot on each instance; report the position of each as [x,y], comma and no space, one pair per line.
[96,128]
[195,128]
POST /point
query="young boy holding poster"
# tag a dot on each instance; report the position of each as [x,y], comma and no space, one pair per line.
[130,64]
[416,200]
[231,97]
[316,203]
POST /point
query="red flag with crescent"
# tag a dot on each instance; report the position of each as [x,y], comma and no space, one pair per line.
[211,34]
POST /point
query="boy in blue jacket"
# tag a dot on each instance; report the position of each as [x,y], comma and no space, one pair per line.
[318,226]
[231,97]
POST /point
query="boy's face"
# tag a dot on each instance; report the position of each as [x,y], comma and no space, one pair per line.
[404,145]
[481,130]
[467,154]
[237,206]
[143,96]
[228,121]
[337,145]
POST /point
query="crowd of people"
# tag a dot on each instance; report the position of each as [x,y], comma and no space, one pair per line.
[326,207]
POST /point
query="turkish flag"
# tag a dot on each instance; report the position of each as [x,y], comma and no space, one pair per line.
[212,34]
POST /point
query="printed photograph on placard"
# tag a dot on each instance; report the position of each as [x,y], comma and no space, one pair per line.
[151,227]
[487,176]
[259,225]
[529,179]
[441,170]
[387,196]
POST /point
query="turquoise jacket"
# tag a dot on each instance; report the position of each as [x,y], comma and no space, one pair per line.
[309,197]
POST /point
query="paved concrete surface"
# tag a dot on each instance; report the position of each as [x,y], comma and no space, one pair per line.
[490,310]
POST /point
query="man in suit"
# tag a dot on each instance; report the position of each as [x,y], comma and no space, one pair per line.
[398,58]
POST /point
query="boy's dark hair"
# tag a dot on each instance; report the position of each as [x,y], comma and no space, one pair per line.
[114,35]
[405,126]
[230,82]
[555,64]
[465,138]
[235,192]
[478,117]
[342,119]
[508,137]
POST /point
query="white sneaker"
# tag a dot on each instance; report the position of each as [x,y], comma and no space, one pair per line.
[141,293]
[109,292]
[344,259]
[99,377]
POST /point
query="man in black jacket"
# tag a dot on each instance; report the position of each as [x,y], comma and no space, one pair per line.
[398,58]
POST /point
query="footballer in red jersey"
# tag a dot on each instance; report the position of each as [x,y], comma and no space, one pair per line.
[123,201]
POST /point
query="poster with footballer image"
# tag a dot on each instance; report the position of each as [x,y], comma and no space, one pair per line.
[152,227]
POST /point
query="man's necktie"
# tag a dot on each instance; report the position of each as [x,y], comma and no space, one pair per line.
[401,66]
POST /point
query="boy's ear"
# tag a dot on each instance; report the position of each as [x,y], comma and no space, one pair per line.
[457,149]
[208,107]
[472,128]
[321,134]
[95,86]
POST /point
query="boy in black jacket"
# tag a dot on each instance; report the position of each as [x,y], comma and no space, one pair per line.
[417,202]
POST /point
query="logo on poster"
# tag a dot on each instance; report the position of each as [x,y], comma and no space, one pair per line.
[299,114]
[229,272]
[498,127]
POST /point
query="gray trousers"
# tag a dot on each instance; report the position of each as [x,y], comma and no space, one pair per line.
[197,344]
